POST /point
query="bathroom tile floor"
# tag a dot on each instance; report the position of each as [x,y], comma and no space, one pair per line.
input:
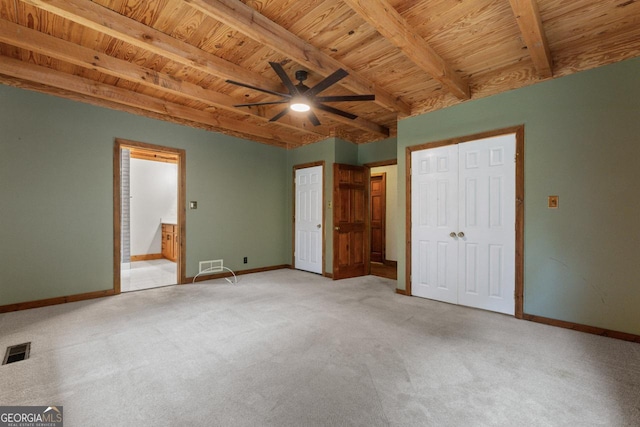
[148,274]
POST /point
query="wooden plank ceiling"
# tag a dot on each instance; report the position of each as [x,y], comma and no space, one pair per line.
[171,59]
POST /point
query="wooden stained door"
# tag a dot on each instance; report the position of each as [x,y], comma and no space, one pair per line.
[378,203]
[350,214]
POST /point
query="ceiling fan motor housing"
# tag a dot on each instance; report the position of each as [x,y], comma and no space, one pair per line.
[301,75]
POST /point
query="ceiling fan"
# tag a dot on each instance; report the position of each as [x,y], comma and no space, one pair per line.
[302,98]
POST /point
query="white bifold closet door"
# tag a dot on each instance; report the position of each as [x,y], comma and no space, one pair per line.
[463,223]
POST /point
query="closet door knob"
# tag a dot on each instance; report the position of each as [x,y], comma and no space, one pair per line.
[461,234]
[452,234]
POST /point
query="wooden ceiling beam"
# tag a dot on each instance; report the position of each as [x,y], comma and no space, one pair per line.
[363,124]
[47,76]
[104,20]
[74,96]
[250,22]
[530,23]
[391,25]
[35,41]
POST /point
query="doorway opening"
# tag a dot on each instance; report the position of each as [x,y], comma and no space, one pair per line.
[149,217]
[383,218]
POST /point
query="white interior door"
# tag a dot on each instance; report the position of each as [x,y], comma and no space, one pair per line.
[487,217]
[308,219]
[463,223]
[434,201]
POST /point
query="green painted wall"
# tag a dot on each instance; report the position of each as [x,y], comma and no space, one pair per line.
[56,166]
[582,142]
[346,152]
[386,149]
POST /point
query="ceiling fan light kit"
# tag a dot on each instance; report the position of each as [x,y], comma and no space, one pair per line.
[299,104]
[301,97]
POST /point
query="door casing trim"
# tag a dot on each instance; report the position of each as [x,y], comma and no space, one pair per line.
[117,205]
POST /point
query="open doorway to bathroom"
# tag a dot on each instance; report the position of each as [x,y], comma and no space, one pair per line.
[149,224]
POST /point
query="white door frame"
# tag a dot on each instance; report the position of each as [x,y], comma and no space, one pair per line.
[322,223]
[519,206]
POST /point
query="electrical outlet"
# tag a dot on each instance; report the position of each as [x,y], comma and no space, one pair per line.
[245,260]
[552,202]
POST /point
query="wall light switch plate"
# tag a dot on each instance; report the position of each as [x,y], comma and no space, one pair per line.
[330,205]
[553,202]
[193,205]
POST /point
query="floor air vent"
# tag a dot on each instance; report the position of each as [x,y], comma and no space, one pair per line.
[16,353]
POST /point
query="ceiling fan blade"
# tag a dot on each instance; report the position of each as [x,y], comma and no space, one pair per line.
[279,115]
[284,101]
[342,98]
[335,111]
[285,79]
[313,118]
[258,88]
[328,81]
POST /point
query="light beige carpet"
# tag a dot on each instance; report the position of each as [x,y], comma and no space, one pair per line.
[288,348]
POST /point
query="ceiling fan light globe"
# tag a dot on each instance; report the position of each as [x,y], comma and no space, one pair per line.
[299,106]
